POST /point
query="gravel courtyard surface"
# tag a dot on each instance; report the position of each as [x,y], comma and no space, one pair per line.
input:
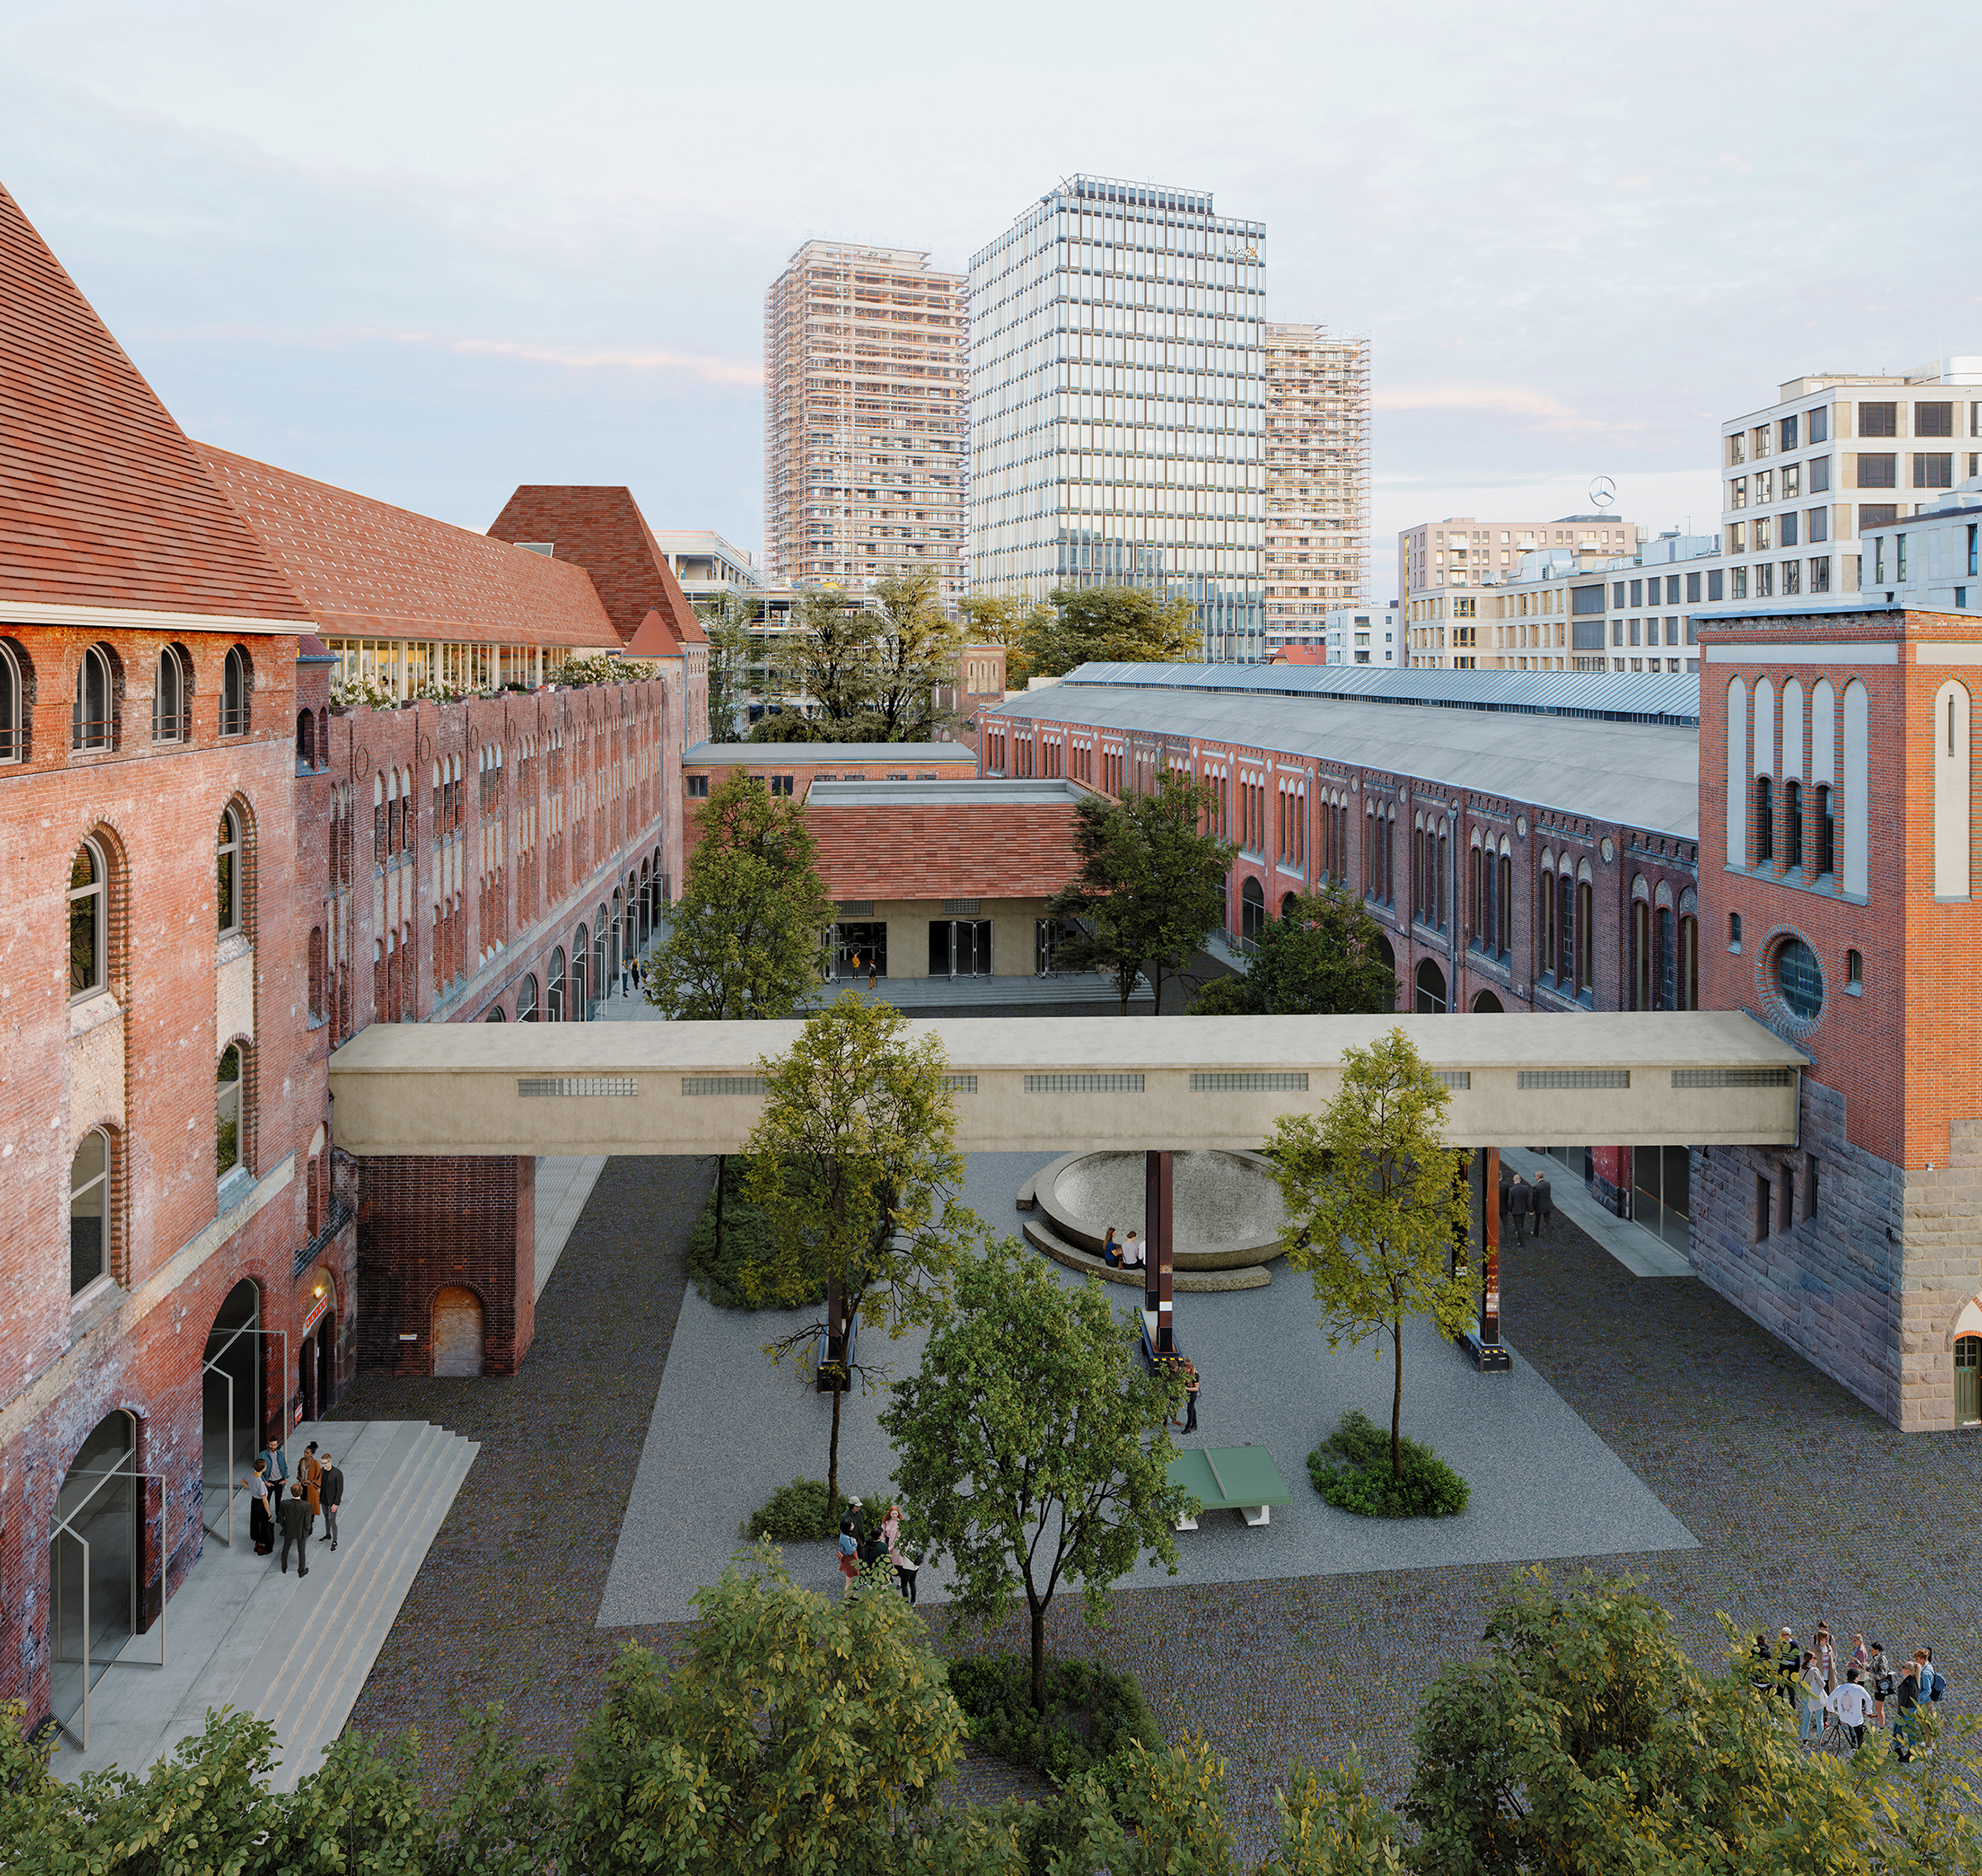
[1804,1504]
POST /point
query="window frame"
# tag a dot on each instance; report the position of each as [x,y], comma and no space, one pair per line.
[98,890]
[176,725]
[102,1182]
[230,1103]
[17,688]
[94,736]
[236,689]
[229,896]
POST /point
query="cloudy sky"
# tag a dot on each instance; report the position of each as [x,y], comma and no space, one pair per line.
[430,249]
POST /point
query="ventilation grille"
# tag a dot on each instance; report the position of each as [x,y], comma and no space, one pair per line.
[857,908]
[962,908]
[1459,1080]
[1575,1078]
[1248,1082]
[557,1087]
[1084,1084]
[1732,1077]
[961,1084]
[721,1084]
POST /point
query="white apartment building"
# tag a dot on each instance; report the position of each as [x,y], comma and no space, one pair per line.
[1117,402]
[864,379]
[1838,458]
[706,565]
[1362,635]
[1317,479]
[1933,560]
[1443,566]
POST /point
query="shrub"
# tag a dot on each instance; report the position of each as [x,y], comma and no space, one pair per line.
[796,1513]
[1093,1713]
[1351,1470]
[746,1241]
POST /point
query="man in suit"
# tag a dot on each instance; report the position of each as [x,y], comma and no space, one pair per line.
[294,1516]
[330,1494]
[1520,1199]
[1544,1205]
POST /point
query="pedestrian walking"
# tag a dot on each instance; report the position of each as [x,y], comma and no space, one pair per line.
[1852,1704]
[1545,1206]
[309,1471]
[332,1493]
[1190,1386]
[294,1515]
[1520,1199]
[261,1524]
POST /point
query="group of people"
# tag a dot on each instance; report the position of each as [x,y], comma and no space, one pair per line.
[1127,1255]
[276,1501]
[1856,1692]
[1521,1203]
[860,1547]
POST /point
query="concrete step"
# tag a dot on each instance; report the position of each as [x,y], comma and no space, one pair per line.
[1042,1236]
[306,1677]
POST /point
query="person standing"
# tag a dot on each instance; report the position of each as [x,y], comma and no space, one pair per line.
[261,1525]
[1884,1686]
[1788,1656]
[1189,1394]
[1809,1700]
[294,1514]
[309,1473]
[905,1567]
[849,1551]
[278,1465]
[1827,1657]
[332,1492]
[860,1522]
[1852,1703]
[1906,1720]
[1519,1202]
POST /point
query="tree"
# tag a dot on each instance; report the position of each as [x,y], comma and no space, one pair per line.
[1110,624]
[1031,1443]
[1375,1200]
[1000,618]
[1151,885]
[801,1733]
[854,1165]
[1322,956]
[727,619]
[745,938]
[1586,1739]
[916,647]
[829,656]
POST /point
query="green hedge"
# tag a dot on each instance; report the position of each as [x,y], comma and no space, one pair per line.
[1351,1470]
[797,1514]
[1093,1713]
[745,1240]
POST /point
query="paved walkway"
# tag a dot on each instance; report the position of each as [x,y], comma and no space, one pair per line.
[563,1184]
[240,1632]
[1642,1253]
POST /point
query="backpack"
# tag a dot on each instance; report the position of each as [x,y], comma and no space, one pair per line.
[1938,1688]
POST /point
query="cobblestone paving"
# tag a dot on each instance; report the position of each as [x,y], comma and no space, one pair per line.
[1806,1504]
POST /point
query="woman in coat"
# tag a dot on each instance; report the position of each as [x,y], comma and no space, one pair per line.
[261,1527]
[311,1473]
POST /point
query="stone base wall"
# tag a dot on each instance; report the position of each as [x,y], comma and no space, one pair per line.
[1867,1289]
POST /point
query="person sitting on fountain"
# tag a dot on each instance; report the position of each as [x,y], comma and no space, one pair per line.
[1132,1253]
[1111,1251]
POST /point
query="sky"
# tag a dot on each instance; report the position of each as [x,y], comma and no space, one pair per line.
[429,251]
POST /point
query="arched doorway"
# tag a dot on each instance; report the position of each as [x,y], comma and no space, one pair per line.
[316,1352]
[1431,989]
[231,1396]
[615,956]
[1251,911]
[95,1562]
[1486,1004]
[1289,902]
[457,1332]
[1968,1380]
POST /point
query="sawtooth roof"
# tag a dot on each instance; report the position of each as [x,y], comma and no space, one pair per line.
[1575,761]
[103,502]
[367,569]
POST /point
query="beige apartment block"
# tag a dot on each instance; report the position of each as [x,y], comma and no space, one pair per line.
[1443,566]
[1317,479]
[866,419]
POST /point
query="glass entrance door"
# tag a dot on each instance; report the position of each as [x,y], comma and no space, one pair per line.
[861,949]
[960,948]
[94,1553]
[1661,1179]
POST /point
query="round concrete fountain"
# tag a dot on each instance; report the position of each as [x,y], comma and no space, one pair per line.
[1226,1229]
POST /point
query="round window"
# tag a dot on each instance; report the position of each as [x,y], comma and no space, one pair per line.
[1799,978]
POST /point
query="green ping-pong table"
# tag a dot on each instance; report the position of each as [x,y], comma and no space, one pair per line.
[1230,1479]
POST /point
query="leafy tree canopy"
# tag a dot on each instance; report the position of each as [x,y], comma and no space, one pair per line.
[733,680]
[1000,619]
[1151,886]
[1111,624]
[871,671]
[1322,956]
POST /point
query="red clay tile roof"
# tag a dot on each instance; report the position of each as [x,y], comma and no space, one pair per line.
[994,851]
[602,530]
[103,502]
[367,569]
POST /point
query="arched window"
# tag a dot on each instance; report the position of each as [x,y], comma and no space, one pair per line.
[526,1001]
[1764,822]
[1586,974]
[1826,831]
[1792,825]
[1486,1004]
[306,740]
[89,922]
[1289,903]
[1430,989]
[228,866]
[236,680]
[1251,911]
[596,983]
[1641,959]
[1968,1380]
[574,985]
[1545,951]
[89,1211]
[496,1015]
[227,1112]
[554,997]
[1687,966]
[91,725]
[316,974]
[15,674]
[171,697]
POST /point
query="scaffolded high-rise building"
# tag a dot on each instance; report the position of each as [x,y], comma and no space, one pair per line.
[1117,402]
[865,366]
[1317,478]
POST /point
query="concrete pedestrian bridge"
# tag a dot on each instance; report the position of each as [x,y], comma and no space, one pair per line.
[1028,1085]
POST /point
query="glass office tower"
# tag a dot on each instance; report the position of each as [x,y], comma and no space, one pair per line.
[1118,398]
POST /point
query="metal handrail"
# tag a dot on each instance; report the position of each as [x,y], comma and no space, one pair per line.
[64,1526]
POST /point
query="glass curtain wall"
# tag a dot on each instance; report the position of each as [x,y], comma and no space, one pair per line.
[1118,401]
